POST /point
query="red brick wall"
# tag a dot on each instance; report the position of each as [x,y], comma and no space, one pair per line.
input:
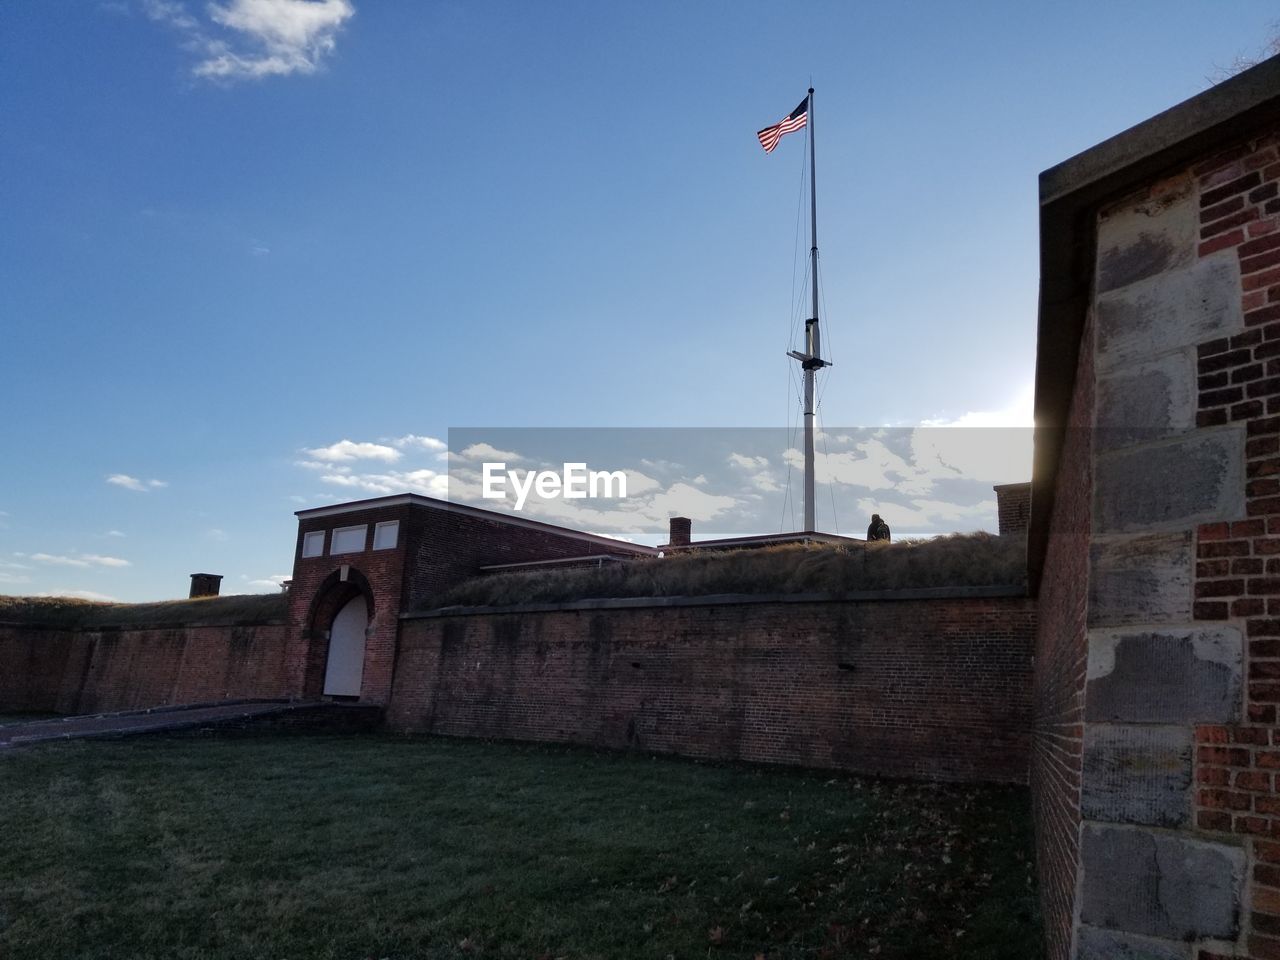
[1013,507]
[315,581]
[451,547]
[936,689]
[69,671]
[1238,564]
[1061,655]
[436,550]
[40,669]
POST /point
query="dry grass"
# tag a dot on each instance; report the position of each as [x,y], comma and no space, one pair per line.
[70,612]
[959,560]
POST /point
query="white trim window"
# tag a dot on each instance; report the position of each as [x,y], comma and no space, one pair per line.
[386,535]
[313,544]
[348,539]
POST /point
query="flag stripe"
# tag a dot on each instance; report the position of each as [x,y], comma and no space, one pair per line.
[795,120]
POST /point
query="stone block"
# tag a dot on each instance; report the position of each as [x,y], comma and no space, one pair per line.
[1161,885]
[1147,237]
[1170,485]
[1145,579]
[1095,944]
[1188,676]
[1149,401]
[1137,774]
[1175,311]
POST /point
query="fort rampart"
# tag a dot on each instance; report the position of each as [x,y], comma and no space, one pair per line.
[86,670]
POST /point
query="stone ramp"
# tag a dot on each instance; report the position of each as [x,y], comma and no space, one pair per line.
[244,717]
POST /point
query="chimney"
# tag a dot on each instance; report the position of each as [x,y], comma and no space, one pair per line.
[205,584]
[681,532]
[1013,505]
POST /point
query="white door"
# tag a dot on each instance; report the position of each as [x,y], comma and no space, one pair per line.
[345,669]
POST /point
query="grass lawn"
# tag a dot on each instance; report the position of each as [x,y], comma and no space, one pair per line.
[349,847]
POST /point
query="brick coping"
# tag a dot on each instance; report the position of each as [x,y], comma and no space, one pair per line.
[118,627]
[730,599]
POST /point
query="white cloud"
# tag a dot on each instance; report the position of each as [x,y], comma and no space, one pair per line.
[217,535]
[79,560]
[348,450]
[484,451]
[429,483]
[99,561]
[745,462]
[638,483]
[765,481]
[114,533]
[252,39]
[8,574]
[430,444]
[170,12]
[869,464]
[267,583]
[135,484]
[683,500]
[282,37]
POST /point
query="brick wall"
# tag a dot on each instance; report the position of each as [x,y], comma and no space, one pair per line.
[1061,650]
[933,689]
[40,669]
[437,548]
[318,593]
[87,671]
[1013,508]
[451,547]
[1162,868]
[1237,583]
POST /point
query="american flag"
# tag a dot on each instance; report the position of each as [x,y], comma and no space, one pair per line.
[792,122]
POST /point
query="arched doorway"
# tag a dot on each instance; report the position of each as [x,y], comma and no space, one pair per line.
[344,669]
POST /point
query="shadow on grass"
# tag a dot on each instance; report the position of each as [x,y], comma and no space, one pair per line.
[377,847]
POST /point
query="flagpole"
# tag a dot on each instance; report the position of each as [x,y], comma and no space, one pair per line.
[813,340]
[811,360]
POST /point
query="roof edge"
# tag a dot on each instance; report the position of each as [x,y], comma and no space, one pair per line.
[448,506]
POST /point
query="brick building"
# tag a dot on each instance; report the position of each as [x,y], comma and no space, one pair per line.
[358,566]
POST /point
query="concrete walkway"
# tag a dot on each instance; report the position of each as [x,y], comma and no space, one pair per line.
[235,714]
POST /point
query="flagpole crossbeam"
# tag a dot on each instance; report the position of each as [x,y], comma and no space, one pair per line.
[808,361]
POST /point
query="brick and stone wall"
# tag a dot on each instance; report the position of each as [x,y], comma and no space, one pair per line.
[1173,781]
[95,671]
[926,688]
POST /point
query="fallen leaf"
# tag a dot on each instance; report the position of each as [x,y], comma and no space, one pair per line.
[716,934]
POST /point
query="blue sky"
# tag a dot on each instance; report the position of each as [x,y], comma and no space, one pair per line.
[237,233]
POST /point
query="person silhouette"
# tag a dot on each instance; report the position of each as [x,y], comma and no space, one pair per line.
[878,530]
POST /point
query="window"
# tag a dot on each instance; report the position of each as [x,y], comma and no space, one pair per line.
[313,544]
[386,534]
[348,539]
